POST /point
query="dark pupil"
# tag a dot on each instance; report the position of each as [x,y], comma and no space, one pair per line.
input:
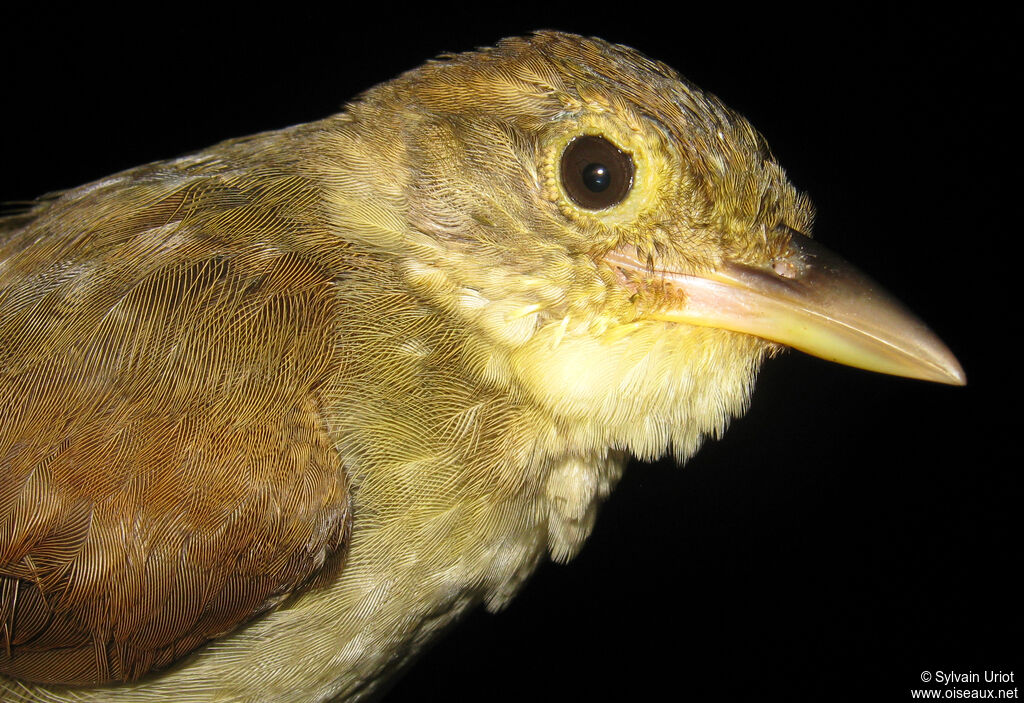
[595,173]
[596,177]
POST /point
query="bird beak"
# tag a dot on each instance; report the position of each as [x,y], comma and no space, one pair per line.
[812,300]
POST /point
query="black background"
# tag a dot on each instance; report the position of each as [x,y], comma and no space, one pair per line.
[852,530]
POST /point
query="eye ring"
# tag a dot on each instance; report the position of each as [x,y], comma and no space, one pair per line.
[595,173]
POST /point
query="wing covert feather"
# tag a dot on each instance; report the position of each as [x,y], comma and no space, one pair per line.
[166,344]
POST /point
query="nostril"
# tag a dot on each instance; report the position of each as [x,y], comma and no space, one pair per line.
[785,268]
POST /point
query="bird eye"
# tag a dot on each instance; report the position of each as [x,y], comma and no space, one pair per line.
[595,173]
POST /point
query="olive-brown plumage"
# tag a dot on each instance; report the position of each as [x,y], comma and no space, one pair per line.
[358,375]
[167,472]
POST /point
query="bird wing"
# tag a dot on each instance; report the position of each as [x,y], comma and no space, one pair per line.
[166,346]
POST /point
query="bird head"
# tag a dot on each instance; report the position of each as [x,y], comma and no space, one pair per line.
[624,247]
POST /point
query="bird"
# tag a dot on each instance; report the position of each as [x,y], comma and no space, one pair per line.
[279,412]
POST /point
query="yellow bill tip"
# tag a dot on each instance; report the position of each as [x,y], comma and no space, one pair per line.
[814,301]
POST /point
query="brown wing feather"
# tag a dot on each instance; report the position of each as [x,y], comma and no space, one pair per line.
[165,469]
